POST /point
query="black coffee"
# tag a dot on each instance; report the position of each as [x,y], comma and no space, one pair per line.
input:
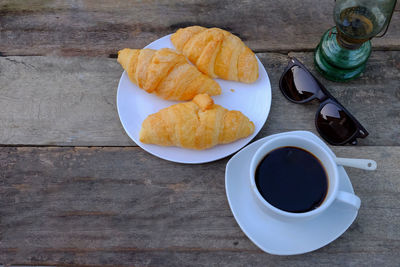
[292,179]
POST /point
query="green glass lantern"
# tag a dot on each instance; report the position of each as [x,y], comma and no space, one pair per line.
[344,50]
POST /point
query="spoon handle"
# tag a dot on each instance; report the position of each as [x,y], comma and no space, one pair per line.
[365,164]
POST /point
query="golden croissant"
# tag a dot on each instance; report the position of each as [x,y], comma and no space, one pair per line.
[198,124]
[217,53]
[166,73]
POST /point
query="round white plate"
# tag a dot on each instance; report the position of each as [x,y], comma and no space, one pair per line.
[134,105]
[274,236]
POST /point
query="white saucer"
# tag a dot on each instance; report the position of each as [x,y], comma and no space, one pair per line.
[271,235]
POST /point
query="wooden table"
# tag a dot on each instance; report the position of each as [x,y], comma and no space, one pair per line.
[76,191]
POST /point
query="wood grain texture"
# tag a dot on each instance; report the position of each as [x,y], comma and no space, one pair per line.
[122,206]
[71,101]
[60,101]
[101,28]
[374,98]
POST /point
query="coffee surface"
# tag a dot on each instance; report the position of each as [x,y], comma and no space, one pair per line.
[292,179]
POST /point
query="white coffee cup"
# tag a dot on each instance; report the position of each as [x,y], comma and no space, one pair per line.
[329,164]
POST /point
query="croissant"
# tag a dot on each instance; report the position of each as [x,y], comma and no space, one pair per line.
[198,124]
[217,53]
[166,73]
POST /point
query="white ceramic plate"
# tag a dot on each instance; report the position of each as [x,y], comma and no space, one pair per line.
[134,105]
[274,236]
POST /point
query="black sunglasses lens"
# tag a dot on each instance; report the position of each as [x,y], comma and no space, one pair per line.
[298,84]
[335,124]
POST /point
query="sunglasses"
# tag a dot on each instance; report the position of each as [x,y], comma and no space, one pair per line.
[334,123]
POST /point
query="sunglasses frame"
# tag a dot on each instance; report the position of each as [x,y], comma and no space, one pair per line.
[324,97]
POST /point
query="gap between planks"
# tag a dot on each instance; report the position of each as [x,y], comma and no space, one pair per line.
[256,51]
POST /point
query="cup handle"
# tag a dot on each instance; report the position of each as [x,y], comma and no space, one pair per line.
[349,199]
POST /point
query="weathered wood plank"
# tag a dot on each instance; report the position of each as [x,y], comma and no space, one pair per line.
[111,258]
[122,206]
[71,101]
[100,28]
[373,98]
[60,101]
